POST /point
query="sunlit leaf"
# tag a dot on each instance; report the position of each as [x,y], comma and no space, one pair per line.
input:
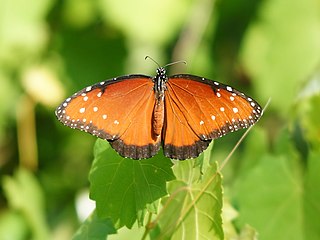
[281,48]
[24,194]
[95,228]
[311,198]
[122,187]
[193,208]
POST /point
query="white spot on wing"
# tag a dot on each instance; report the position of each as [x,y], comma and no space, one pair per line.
[88,88]
[116,122]
[213,117]
[104,116]
[82,110]
[99,94]
[232,98]
[229,88]
[95,109]
[201,122]
[235,110]
[85,98]
[218,95]
[222,109]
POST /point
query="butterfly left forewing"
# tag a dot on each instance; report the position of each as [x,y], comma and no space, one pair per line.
[112,110]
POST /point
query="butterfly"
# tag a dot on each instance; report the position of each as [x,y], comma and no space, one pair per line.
[137,114]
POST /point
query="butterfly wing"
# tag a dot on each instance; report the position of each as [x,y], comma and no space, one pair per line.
[118,110]
[198,110]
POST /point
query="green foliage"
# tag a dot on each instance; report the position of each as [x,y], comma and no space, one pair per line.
[281,48]
[25,195]
[94,228]
[280,190]
[193,208]
[122,187]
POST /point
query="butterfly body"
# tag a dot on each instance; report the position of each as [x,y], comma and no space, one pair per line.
[137,113]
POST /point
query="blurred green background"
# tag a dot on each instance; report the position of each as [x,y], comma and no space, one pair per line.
[267,49]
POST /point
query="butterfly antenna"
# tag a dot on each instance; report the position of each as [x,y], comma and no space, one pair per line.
[173,63]
[152,60]
[169,64]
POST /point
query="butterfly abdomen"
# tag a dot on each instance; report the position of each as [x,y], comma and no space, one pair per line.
[158,117]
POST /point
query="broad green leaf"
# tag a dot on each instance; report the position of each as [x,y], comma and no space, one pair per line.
[95,228]
[124,233]
[281,49]
[193,208]
[133,19]
[24,194]
[309,115]
[22,30]
[311,200]
[275,191]
[270,196]
[13,226]
[123,187]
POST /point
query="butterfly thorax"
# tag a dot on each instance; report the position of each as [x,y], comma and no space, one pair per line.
[158,112]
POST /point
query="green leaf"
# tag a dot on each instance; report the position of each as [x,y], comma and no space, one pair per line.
[165,20]
[123,187]
[23,32]
[24,194]
[276,191]
[282,48]
[312,198]
[269,197]
[13,226]
[309,115]
[95,228]
[193,209]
